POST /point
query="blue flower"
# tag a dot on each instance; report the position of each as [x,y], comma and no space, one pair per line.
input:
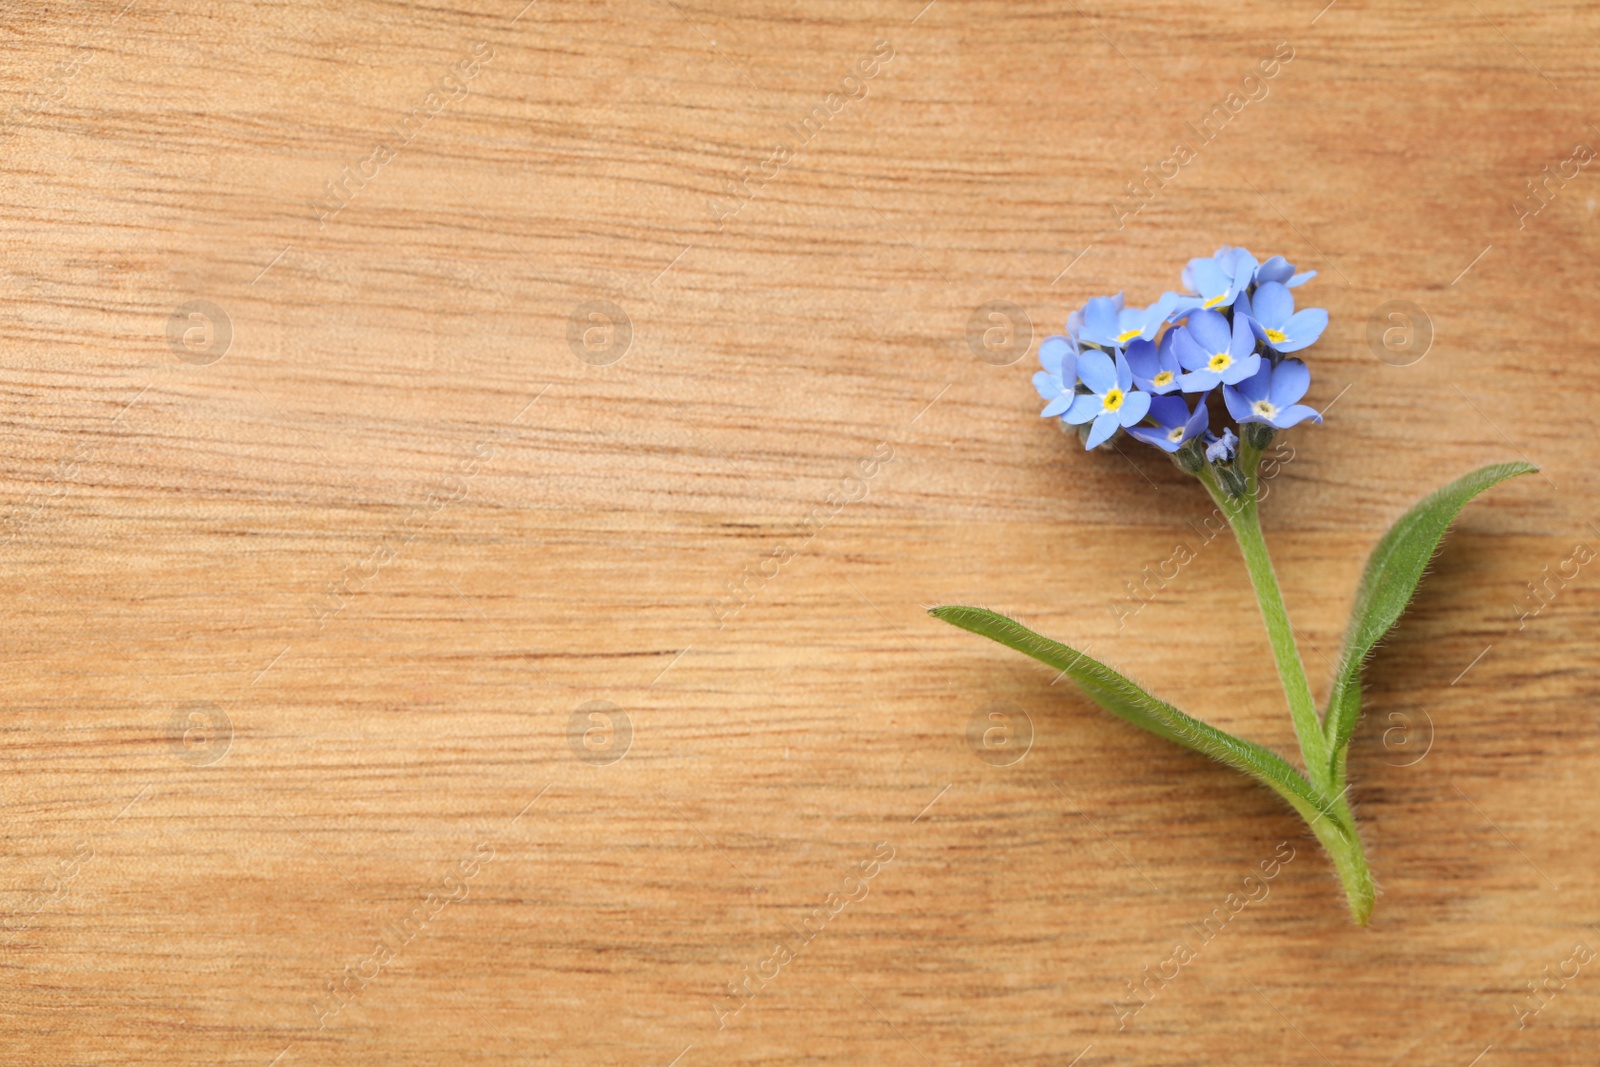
[1271,396]
[1220,279]
[1102,321]
[1278,269]
[1220,448]
[1111,402]
[1175,423]
[1212,357]
[1273,319]
[1168,306]
[1058,356]
[1108,322]
[1155,368]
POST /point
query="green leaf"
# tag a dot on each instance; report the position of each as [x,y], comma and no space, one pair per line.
[1128,701]
[1387,585]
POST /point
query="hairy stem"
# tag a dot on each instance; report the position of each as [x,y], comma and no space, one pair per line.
[1350,862]
[1336,827]
[1243,517]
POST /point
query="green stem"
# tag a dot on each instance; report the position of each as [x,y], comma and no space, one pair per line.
[1243,517]
[1344,849]
[1336,827]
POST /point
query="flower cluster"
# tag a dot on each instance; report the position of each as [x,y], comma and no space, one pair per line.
[1135,369]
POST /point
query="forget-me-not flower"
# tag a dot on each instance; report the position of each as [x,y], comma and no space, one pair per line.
[1273,318]
[1212,353]
[1220,449]
[1111,402]
[1058,356]
[1151,370]
[1175,422]
[1155,368]
[1272,395]
[1220,279]
[1110,323]
[1102,317]
[1278,269]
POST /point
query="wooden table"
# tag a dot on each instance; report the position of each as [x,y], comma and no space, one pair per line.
[396,395]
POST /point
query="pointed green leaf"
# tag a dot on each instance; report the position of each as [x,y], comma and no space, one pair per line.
[1393,571]
[1127,701]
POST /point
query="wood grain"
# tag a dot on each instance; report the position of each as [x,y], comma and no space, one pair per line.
[302,641]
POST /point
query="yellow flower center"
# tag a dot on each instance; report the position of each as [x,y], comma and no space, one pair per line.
[1127,335]
[1217,300]
[1164,378]
[1264,408]
[1175,434]
[1277,336]
[1220,362]
[1112,400]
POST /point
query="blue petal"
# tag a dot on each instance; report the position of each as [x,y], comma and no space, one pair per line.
[1209,330]
[1290,380]
[1129,319]
[1238,405]
[1241,266]
[1273,306]
[1104,427]
[1243,342]
[1191,356]
[1151,435]
[1164,352]
[1301,279]
[1182,306]
[1200,381]
[1210,279]
[1048,385]
[1198,421]
[1058,406]
[1169,411]
[1243,369]
[1255,386]
[1303,329]
[1276,269]
[1054,349]
[1100,319]
[1294,415]
[1095,370]
[1160,313]
[1084,407]
[1135,406]
[1124,373]
[1143,360]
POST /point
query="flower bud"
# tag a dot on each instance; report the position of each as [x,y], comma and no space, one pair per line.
[1190,458]
[1232,481]
[1258,435]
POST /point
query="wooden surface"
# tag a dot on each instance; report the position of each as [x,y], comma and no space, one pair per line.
[295,638]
